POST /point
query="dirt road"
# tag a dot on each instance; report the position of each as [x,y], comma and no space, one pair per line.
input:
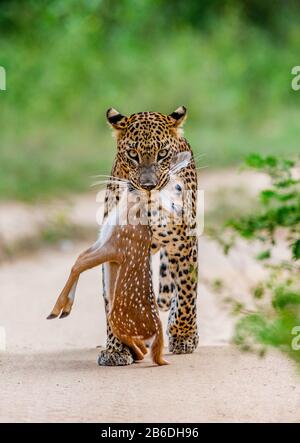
[216,384]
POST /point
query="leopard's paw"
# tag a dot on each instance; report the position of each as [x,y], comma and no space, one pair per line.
[183,345]
[115,358]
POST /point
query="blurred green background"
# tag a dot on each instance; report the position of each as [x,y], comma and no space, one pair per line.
[67,61]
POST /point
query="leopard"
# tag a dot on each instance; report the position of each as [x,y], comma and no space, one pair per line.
[146,144]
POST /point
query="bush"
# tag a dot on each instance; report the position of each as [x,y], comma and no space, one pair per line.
[275,321]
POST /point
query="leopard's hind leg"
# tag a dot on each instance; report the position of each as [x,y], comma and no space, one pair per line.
[167,288]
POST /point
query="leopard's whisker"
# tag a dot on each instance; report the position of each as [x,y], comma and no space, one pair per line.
[199,158]
[110,177]
[199,155]
[201,167]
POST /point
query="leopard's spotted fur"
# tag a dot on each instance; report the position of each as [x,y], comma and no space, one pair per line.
[146,143]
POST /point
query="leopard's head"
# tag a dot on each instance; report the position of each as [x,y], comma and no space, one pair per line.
[147,143]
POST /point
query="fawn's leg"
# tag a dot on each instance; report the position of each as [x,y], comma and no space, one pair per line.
[158,347]
[116,353]
[87,260]
[132,344]
[140,343]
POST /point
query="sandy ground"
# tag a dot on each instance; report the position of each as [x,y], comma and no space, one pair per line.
[48,371]
[216,384]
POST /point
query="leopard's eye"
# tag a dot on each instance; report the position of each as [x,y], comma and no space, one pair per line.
[162,154]
[132,153]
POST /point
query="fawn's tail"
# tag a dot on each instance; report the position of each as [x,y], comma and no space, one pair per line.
[158,347]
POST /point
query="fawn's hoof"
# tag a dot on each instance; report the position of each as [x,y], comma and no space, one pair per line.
[162,362]
[183,345]
[115,358]
[64,314]
[51,316]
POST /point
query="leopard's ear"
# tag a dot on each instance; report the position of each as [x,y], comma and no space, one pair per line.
[178,117]
[116,119]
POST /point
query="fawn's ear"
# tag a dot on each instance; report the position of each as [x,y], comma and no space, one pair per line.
[180,160]
[115,119]
[178,117]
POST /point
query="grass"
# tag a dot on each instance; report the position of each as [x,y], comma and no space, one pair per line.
[63,75]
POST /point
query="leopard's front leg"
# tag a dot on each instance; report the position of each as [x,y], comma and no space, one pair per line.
[115,353]
[182,324]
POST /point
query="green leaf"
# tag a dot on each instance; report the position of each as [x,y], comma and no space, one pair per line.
[284,298]
[259,292]
[267,195]
[296,250]
[264,255]
[255,161]
[270,161]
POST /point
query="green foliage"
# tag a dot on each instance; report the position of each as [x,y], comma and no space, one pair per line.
[296,249]
[280,205]
[68,61]
[277,299]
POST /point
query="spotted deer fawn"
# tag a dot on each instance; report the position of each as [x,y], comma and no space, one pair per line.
[133,314]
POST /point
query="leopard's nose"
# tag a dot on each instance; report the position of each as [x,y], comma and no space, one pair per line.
[148,178]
